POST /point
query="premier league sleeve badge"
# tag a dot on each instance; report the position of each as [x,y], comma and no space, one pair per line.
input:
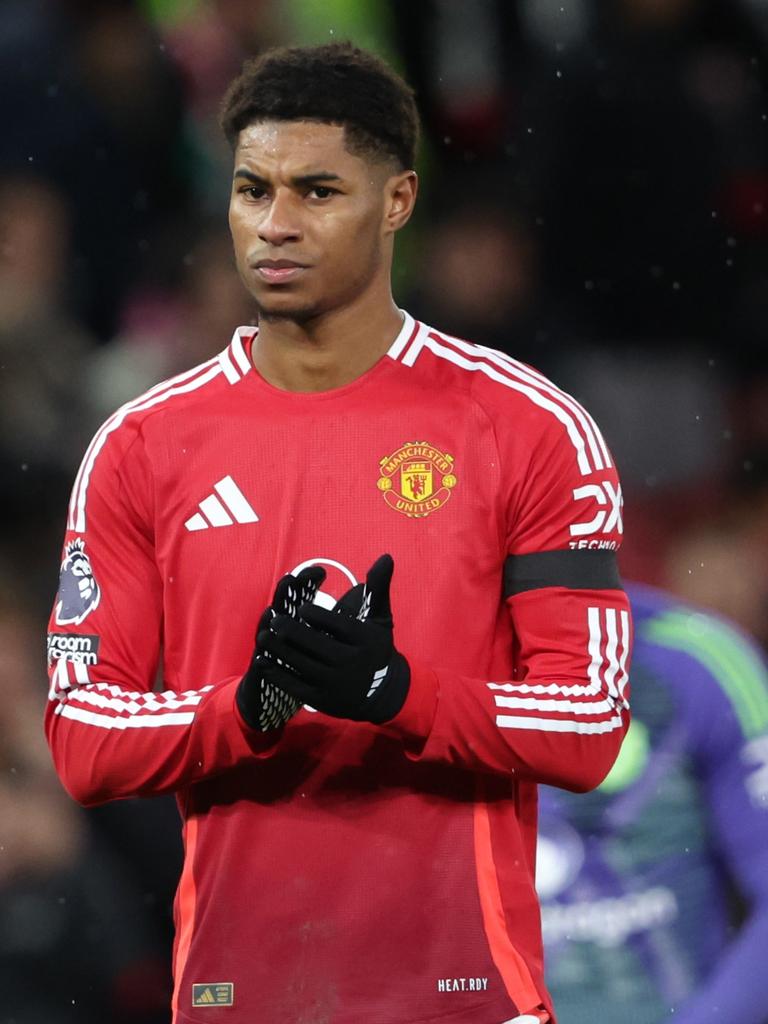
[79,593]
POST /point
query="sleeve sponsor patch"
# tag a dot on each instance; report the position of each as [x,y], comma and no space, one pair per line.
[79,593]
[80,648]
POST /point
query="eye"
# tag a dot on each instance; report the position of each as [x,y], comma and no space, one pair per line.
[253,192]
[322,192]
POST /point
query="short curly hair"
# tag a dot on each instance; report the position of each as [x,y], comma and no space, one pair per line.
[336,83]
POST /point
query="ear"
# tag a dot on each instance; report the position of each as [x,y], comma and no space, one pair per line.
[399,200]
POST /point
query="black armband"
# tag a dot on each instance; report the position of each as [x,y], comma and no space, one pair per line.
[574,570]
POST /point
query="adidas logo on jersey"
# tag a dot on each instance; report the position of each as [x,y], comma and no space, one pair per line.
[230,507]
[220,993]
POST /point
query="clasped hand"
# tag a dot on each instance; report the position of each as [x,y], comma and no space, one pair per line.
[341,661]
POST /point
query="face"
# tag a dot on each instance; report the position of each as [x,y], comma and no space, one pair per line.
[312,223]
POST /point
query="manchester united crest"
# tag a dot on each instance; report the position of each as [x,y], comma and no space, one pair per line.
[417,479]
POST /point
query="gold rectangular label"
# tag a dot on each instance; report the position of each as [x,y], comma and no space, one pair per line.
[214,993]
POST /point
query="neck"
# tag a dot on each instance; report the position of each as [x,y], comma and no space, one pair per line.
[329,350]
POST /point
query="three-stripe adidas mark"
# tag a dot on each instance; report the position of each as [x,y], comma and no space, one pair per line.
[378,679]
[232,508]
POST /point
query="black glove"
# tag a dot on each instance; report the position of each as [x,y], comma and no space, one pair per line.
[262,705]
[342,662]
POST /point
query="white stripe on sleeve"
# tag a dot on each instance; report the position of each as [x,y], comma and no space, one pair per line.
[558,724]
[130,722]
[607,674]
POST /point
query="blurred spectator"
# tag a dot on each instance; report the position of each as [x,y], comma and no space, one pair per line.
[721,561]
[74,943]
[469,95]
[43,349]
[480,275]
[44,421]
[167,332]
[663,412]
[652,168]
[93,104]
[664,415]
[208,41]
[637,879]
[632,134]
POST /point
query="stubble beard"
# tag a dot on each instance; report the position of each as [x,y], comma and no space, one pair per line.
[300,315]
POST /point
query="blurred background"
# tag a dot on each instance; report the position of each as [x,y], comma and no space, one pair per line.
[594,201]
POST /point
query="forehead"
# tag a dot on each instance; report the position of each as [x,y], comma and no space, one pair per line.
[298,145]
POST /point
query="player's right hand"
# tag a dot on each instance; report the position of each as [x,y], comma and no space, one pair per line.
[262,705]
[343,661]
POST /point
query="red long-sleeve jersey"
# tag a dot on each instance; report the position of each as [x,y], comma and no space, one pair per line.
[338,871]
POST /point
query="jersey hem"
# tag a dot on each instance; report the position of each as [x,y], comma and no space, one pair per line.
[492,1013]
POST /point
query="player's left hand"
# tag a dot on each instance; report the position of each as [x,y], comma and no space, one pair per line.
[343,661]
[263,706]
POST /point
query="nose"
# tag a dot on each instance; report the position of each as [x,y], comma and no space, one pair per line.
[280,223]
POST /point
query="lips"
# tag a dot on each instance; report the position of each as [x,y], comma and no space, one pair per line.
[278,271]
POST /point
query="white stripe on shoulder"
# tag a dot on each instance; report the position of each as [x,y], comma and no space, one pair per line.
[417,344]
[237,349]
[597,445]
[156,389]
[518,371]
[183,384]
[515,365]
[479,364]
[228,366]
[405,336]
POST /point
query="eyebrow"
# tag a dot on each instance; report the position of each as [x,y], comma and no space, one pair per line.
[298,180]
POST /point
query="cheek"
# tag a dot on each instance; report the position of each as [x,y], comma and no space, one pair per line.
[240,229]
[353,238]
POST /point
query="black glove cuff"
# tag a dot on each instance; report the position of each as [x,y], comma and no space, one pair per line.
[248,702]
[262,705]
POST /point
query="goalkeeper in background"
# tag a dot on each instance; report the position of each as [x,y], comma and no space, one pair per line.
[641,880]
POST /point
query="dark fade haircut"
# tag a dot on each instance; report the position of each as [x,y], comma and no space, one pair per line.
[335,83]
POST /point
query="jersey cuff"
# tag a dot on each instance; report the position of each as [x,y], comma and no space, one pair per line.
[414,720]
[573,570]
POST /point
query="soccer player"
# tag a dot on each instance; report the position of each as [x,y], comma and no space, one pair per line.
[420,533]
[638,879]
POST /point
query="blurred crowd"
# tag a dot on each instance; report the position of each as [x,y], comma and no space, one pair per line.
[595,202]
